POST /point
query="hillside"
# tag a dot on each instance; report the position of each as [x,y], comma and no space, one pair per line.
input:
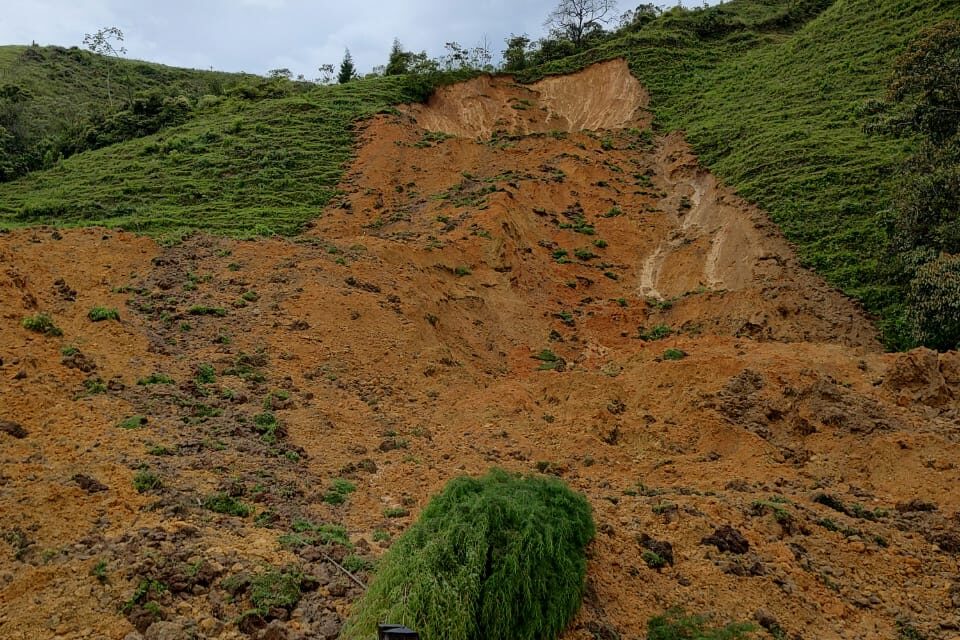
[66,84]
[261,415]
[771,94]
[254,327]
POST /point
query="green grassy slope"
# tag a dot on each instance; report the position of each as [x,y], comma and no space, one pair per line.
[68,84]
[776,110]
[239,167]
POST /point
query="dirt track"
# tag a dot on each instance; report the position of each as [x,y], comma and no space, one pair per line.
[395,343]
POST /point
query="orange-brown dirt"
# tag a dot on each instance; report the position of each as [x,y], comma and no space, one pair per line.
[395,341]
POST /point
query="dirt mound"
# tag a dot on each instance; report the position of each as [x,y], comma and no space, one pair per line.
[603,96]
[266,415]
[924,377]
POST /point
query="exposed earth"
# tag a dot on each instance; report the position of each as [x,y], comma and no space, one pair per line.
[524,276]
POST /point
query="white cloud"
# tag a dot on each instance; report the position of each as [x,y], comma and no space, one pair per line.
[258,35]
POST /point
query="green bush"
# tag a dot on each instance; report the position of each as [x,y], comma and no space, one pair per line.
[934,303]
[496,557]
[41,323]
[99,314]
[676,625]
[223,503]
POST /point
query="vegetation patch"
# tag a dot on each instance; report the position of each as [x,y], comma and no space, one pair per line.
[41,323]
[227,504]
[99,314]
[502,556]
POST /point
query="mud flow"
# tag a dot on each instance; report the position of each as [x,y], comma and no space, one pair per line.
[517,275]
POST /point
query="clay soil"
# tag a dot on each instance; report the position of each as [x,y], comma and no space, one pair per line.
[515,276]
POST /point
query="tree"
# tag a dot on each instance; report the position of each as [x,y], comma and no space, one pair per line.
[400,60]
[280,74]
[934,303]
[101,43]
[574,20]
[635,19]
[924,98]
[515,55]
[347,71]
[327,72]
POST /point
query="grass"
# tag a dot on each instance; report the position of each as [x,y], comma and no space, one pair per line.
[146,480]
[502,556]
[677,625]
[239,167]
[275,589]
[133,422]
[339,491]
[67,84]
[41,323]
[203,310]
[226,504]
[155,378]
[99,314]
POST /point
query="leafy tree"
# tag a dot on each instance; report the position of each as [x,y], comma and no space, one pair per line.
[552,49]
[460,58]
[347,71]
[635,19]
[934,298]
[926,83]
[280,74]
[400,60]
[924,100]
[575,20]
[327,72]
[515,55]
[102,43]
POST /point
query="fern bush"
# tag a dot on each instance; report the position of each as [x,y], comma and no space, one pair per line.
[499,557]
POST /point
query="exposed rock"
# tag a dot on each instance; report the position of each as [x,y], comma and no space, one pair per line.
[916,378]
[728,539]
[13,429]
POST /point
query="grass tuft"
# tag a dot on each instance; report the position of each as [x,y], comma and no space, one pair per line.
[500,556]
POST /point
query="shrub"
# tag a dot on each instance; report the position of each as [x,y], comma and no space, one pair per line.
[934,303]
[223,503]
[41,323]
[674,354]
[145,480]
[155,378]
[496,557]
[275,589]
[676,625]
[99,314]
[201,310]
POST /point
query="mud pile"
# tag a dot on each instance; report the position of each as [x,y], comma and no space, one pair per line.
[495,287]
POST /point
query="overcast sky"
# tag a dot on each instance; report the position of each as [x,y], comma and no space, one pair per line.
[259,35]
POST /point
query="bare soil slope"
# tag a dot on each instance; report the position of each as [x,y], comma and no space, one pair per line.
[515,295]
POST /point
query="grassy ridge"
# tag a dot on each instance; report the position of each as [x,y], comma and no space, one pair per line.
[68,84]
[772,102]
[238,167]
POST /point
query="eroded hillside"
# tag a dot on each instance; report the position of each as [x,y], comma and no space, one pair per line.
[497,286]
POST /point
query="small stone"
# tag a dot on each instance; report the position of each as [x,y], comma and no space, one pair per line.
[274,631]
